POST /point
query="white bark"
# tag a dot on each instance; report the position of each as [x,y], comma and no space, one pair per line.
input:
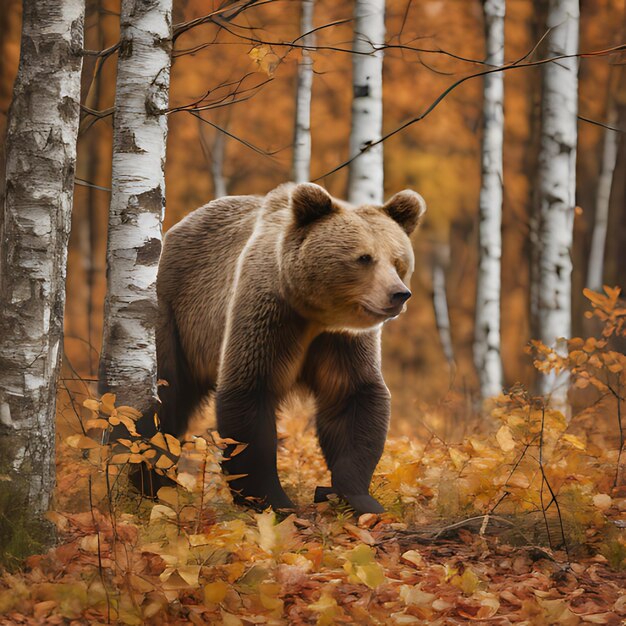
[487,329]
[34,232]
[595,272]
[557,188]
[128,360]
[365,177]
[440,302]
[302,134]
[218,154]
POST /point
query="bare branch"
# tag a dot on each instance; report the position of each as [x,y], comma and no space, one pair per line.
[448,90]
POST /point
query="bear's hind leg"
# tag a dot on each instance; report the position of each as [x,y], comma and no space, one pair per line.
[180,394]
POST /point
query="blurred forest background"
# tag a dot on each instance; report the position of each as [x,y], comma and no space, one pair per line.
[438,157]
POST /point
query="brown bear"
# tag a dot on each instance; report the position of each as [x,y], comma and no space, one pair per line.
[262,295]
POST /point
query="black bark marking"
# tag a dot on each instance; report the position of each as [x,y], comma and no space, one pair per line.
[152,200]
[126,142]
[149,253]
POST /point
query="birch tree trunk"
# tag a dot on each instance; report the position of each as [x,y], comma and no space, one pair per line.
[218,154]
[441,260]
[365,176]
[128,359]
[34,232]
[302,134]
[487,326]
[595,271]
[557,188]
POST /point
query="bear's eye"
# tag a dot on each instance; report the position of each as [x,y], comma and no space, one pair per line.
[365,259]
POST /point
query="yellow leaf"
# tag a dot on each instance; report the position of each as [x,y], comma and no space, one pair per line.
[413,557]
[158,441]
[129,411]
[138,583]
[173,444]
[362,567]
[371,575]
[108,403]
[505,440]
[239,448]
[215,592]
[164,462]
[603,501]
[575,441]
[267,535]
[489,604]
[360,533]
[129,423]
[89,543]
[190,574]
[81,442]
[228,619]
[327,608]
[160,511]
[91,404]
[468,581]
[415,596]
[120,459]
[168,495]
[186,480]
[96,423]
[458,458]
[264,59]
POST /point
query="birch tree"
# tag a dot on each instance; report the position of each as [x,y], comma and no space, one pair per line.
[34,232]
[557,187]
[595,270]
[487,325]
[365,176]
[302,134]
[441,260]
[128,359]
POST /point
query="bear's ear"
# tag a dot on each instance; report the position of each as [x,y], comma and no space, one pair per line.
[309,202]
[406,208]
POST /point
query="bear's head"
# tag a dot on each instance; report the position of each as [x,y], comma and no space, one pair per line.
[348,267]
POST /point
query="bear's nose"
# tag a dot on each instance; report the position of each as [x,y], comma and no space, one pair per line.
[400,297]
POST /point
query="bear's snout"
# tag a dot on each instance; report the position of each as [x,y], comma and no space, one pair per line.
[400,297]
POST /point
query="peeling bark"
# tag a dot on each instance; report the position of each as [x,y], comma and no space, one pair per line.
[302,134]
[557,188]
[34,232]
[487,325]
[128,360]
[365,176]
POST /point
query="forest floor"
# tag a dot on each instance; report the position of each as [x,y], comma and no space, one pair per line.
[518,518]
[194,558]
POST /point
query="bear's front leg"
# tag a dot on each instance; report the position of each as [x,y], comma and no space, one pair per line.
[248,416]
[353,408]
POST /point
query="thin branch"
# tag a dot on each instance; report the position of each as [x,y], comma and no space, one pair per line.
[227,13]
[602,125]
[86,183]
[448,90]
[328,48]
[239,139]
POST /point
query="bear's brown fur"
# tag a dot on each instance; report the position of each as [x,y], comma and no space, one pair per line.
[260,295]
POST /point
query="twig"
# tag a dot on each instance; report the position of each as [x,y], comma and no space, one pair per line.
[544,480]
[448,90]
[100,568]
